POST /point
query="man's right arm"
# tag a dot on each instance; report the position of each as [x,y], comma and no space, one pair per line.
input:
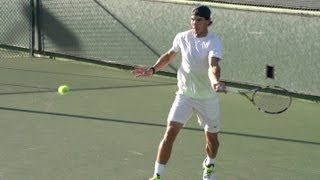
[164,60]
[161,63]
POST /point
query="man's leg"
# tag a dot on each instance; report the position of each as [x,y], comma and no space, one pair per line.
[212,145]
[165,147]
[179,114]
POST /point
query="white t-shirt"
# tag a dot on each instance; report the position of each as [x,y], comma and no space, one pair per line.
[193,77]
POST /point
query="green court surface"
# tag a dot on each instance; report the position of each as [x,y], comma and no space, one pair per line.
[109,125]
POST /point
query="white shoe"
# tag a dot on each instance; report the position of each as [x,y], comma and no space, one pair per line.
[208,171]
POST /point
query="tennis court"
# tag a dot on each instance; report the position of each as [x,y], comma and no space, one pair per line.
[110,123]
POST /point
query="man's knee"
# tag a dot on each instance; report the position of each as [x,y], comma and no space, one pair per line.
[172,131]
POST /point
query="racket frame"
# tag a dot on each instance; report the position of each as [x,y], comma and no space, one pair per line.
[258,89]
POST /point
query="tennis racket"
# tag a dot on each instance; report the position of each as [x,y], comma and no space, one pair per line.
[270,99]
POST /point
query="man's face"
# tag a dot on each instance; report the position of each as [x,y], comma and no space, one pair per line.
[199,24]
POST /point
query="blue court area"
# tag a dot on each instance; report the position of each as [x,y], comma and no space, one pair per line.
[109,125]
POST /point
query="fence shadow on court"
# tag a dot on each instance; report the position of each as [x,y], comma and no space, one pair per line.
[156,125]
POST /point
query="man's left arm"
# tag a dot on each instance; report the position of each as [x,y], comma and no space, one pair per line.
[216,72]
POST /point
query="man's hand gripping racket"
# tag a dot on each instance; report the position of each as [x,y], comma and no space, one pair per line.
[220,87]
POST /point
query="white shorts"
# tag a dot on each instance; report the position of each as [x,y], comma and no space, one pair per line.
[208,111]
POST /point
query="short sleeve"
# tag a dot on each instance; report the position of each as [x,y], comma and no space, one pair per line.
[215,48]
[175,45]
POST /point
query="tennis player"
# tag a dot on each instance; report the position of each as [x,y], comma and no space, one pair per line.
[198,84]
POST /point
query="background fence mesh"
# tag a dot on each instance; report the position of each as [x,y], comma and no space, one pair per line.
[15,28]
[137,31]
[295,4]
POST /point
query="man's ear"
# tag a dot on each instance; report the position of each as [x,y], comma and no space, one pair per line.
[210,22]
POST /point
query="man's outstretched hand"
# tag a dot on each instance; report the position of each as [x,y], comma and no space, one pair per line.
[141,71]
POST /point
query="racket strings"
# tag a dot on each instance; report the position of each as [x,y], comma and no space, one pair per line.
[270,102]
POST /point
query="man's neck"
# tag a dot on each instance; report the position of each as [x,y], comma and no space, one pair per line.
[200,34]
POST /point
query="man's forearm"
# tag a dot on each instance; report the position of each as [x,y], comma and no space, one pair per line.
[164,60]
[216,71]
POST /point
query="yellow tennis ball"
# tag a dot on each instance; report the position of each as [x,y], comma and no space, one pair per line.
[63,89]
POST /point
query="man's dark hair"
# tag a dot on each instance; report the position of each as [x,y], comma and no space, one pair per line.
[202,11]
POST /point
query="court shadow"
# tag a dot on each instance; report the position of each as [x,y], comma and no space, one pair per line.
[82,75]
[42,89]
[155,125]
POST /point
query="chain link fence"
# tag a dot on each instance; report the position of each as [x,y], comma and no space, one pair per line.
[90,29]
[16,28]
[292,4]
[128,32]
